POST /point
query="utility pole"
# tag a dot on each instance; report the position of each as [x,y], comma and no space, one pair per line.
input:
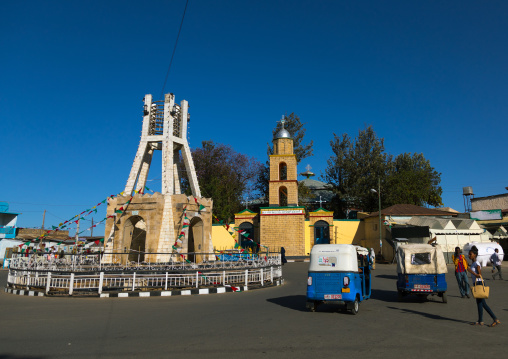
[43,219]
[379,201]
[77,231]
[380,234]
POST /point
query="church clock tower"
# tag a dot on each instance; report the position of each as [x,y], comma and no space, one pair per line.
[283,185]
[282,223]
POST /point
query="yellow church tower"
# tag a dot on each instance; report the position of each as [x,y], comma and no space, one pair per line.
[282,224]
[283,185]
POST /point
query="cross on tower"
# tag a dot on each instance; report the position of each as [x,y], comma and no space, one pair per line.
[308,167]
[247,202]
[321,201]
[282,121]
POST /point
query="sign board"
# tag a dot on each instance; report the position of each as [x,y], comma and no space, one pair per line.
[135,213]
[283,211]
[490,214]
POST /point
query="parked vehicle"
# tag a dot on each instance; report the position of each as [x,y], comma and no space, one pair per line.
[485,251]
[338,274]
[421,270]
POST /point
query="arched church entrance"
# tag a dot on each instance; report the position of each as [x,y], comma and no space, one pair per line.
[321,232]
[134,238]
[246,243]
[196,240]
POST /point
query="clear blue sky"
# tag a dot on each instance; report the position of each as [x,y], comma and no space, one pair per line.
[430,76]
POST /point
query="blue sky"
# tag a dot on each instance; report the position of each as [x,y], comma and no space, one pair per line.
[430,76]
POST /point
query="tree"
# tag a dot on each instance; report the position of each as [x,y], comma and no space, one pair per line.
[296,128]
[411,179]
[357,165]
[224,175]
[354,169]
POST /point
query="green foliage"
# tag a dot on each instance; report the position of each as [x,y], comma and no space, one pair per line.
[357,165]
[304,196]
[224,175]
[354,169]
[411,179]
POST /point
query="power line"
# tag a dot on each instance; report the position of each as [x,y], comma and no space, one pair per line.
[46,204]
[174,49]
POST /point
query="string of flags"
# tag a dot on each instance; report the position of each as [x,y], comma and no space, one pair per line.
[81,216]
[177,246]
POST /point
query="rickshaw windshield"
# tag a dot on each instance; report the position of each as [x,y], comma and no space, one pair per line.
[419,259]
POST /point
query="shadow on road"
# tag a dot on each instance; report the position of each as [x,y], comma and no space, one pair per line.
[387,276]
[389,296]
[11,356]
[295,302]
[428,315]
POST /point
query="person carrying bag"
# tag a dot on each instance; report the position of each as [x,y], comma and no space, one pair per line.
[479,290]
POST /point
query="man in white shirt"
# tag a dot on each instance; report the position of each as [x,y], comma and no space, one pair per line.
[496,264]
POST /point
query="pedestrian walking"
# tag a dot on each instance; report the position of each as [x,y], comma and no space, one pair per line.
[461,272]
[476,276]
[283,255]
[373,258]
[496,264]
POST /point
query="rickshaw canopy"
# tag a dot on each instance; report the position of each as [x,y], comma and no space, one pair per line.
[333,257]
[420,259]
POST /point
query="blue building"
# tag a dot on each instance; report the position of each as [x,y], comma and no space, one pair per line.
[7,222]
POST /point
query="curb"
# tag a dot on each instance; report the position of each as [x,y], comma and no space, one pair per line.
[30,293]
[165,293]
[170,293]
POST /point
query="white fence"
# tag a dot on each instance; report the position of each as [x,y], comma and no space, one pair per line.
[61,279]
[93,262]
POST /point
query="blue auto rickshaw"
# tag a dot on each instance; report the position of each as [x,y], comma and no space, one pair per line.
[421,270]
[338,274]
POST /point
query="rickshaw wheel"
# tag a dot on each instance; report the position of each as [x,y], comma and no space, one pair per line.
[356,307]
[400,295]
[445,297]
[313,307]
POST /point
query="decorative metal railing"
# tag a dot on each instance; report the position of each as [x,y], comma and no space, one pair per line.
[120,261]
[86,274]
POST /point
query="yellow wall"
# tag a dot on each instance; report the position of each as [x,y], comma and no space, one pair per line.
[308,236]
[344,231]
[221,238]
[347,231]
[371,228]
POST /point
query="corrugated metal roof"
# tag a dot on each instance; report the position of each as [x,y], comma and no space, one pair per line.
[411,210]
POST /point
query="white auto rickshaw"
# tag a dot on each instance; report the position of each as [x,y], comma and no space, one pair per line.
[338,274]
[421,270]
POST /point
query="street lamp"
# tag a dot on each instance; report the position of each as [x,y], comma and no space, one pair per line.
[379,200]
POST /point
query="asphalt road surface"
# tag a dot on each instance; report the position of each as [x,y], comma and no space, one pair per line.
[270,322]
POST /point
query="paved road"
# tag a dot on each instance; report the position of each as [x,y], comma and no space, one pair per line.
[271,323]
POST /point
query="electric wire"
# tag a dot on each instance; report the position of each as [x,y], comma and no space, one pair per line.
[174,49]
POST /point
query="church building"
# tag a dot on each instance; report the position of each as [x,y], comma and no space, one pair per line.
[283,223]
